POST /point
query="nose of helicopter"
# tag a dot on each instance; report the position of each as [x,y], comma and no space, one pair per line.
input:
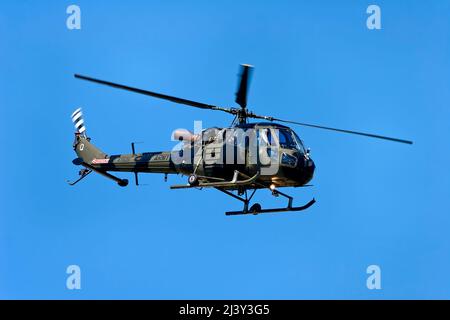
[308,170]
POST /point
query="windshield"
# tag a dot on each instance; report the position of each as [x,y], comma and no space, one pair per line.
[299,143]
[288,139]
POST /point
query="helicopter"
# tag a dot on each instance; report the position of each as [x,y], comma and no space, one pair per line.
[236,160]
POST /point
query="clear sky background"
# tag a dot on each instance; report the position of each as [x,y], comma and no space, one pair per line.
[315,61]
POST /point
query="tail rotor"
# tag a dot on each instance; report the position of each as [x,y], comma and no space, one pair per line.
[77,119]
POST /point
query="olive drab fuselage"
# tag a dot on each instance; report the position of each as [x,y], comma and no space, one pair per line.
[210,157]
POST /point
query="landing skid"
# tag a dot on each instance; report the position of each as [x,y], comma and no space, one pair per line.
[256,208]
[306,206]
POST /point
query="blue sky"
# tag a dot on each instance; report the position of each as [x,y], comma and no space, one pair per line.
[378,202]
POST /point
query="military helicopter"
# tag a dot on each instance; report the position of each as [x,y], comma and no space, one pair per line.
[237,160]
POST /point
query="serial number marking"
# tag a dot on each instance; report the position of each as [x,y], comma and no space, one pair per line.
[160,157]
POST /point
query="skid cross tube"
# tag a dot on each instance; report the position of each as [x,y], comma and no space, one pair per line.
[245,200]
[276,193]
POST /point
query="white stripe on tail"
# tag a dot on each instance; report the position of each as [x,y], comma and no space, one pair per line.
[77,119]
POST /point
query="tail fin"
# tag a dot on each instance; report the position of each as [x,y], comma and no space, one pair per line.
[82,144]
[89,155]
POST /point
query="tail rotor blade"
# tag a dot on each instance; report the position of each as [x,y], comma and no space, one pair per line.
[78,121]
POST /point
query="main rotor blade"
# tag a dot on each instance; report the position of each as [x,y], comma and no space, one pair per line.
[335,129]
[153,94]
[244,82]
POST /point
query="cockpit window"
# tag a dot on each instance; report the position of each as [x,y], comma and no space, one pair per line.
[288,139]
[299,142]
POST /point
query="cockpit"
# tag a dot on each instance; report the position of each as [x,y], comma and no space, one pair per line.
[287,138]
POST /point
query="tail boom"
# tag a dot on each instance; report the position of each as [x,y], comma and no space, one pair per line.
[93,159]
[149,162]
